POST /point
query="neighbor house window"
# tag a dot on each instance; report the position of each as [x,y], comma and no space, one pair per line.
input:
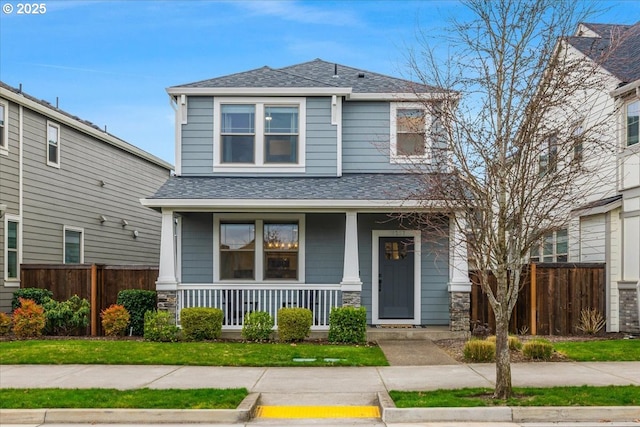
[4,143]
[411,129]
[577,142]
[73,245]
[259,250]
[553,248]
[11,250]
[53,144]
[548,158]
[633,124]
[259,134]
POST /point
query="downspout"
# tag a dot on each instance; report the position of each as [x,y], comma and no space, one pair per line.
[20,184]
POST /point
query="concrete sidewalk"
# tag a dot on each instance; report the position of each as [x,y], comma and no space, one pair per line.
[308,386]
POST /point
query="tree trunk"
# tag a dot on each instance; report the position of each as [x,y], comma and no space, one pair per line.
[503,359]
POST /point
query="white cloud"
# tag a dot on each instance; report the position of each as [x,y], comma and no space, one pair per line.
[304,13]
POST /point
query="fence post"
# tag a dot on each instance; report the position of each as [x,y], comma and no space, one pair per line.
[534,302]
[94,300]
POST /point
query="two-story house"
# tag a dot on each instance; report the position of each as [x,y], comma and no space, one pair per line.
[69,192]
[287,191]
[606,226]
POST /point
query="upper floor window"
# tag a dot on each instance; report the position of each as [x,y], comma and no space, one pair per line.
[548,157]
[577,142]
[11,249]
[53,144]
[410,137]
[553,248]
[4,134]
[265,134]
[633,124]
[73,245]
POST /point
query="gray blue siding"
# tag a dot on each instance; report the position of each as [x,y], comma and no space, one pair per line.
[321,141]
[197,248]
[197,137]
[324,248]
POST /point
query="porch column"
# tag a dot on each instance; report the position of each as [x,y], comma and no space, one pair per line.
[351,285]
[459,283]
[167,269]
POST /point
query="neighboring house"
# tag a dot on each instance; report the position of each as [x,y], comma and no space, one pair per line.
[606,227]
[69,192]
[287,188]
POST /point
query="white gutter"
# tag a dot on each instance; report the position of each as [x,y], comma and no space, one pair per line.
[626,88]
[82,127]
[275,91]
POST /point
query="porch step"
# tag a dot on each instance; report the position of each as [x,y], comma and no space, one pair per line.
[433,333]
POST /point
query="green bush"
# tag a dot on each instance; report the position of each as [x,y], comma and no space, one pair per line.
[514,342]
[115,320]
[37,295]
[160,327]
[258,326]
[294,323]
[479,351]
[348,325]
[538,349]
[5,324]
[137,302]
[69,317]
[201,323]
[28,319]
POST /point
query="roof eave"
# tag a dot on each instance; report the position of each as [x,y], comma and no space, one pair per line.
[629,87]
[274,91]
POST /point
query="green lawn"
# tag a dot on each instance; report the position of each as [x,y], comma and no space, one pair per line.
[128,352]
[553,396]
[600,351]
[38,398]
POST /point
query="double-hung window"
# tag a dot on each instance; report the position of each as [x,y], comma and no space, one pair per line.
[553,248]
[73,245]
[548,158]
[259,134]
[578,148]
[412,134]
[4,133]
[12,248]
[53,144]
[259,249]
[632,123]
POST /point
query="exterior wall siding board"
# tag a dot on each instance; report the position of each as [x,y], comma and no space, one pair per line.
[197,137]
[197,248]
[324,248]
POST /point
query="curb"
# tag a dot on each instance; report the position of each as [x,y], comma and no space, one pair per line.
[244,412]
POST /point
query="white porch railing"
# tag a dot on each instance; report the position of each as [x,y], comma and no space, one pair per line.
[236,300]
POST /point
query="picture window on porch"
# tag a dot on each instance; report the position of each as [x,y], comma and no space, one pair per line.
[281,251]
[237,251]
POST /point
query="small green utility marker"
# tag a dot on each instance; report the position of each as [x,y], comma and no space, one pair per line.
[318,412]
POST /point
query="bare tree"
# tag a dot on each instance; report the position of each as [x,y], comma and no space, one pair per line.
[518,126]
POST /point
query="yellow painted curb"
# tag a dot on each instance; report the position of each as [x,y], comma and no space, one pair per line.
[318,412]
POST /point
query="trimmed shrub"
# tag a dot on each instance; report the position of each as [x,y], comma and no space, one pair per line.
[514,342]
[37,295]
[159,326]
[294,323]
[28,319]
[201,323]
[479,351]
[5,324]
[258,326]
[115,320]
[348,325]
[137,302]
[537,349]
[69,317]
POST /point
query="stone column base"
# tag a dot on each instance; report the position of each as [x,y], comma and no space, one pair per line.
[459,311]
[351,298]
[629,310]
[168,301]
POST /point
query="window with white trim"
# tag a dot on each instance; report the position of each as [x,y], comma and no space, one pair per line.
[553,248]
[548,158]
[12,248]
[257,250]
[73,245]
[259,134]
[632,123]
[411,135]
[578,147]
[4,131]
[53,144]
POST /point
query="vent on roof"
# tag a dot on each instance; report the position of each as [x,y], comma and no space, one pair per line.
[335,70]
[361,75]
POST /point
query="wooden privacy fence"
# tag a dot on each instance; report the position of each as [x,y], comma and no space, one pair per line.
[97,283]
[550,300]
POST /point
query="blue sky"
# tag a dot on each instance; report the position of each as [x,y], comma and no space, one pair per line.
[109,62]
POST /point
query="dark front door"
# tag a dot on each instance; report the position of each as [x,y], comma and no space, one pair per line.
[395,278]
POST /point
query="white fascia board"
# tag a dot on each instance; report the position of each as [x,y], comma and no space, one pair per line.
[82,127]
[253,91]
[430,96]
[297,204]
[597,210]
[629,87]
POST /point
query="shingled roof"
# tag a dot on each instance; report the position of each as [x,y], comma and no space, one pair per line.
[617,46]
[314,74]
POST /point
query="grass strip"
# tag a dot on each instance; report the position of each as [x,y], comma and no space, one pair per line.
[522,396]
[600,351]
[127,352]
[39,398]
